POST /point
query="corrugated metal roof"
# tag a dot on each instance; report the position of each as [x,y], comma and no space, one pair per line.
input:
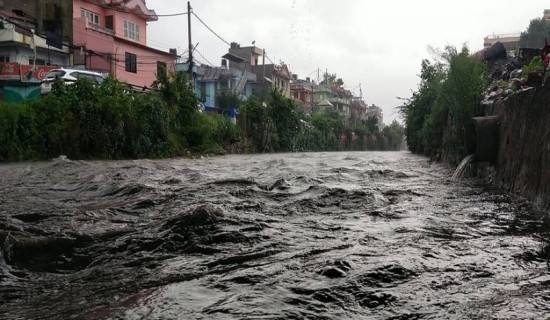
[213,74]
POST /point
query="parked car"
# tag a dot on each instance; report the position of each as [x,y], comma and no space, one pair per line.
[69,76]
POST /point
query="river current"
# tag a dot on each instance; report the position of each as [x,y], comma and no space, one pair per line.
[360,235]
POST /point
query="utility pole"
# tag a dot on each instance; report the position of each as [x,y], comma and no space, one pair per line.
[317,75]
[263,62]
[190,70]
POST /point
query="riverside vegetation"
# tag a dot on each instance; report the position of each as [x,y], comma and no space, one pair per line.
[449,95]
[83,121]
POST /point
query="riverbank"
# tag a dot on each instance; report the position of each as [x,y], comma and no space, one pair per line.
[522,165]
[83,121]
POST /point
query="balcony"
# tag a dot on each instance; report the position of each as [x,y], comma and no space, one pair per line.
[340,101]
[11,35]
[98,28]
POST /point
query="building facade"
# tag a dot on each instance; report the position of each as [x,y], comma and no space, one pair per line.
[358,111]
[110,36]
[33,38]
[302,91]
[510,41]
[209,81]
[374,111]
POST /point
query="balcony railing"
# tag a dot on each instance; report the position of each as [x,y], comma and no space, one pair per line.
[11,35]
[338,100]
[98,28]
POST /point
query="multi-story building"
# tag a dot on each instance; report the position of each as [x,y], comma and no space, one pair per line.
[31,43]
[341,100]
[302,91]
[321,96]
[358,110]
[109,36]
[26,42]
[374,111]
[209,81]
[272,76]
[268,76]
[510,41]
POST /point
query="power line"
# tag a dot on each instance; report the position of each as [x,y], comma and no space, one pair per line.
[204,58]
[169,15]
[210,29]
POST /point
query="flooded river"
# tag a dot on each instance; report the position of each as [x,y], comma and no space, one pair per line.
[361,235]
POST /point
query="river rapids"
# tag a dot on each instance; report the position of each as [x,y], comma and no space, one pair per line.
[351,235]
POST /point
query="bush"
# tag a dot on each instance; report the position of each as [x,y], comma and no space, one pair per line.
[536,65]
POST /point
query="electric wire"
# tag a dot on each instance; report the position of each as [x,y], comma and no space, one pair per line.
[200,54]
[217,35]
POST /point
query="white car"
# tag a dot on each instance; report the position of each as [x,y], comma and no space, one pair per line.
[69,76]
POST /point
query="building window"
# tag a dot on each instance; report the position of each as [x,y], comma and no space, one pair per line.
[131,30]
[161,68]
[109,22]
[131,62]
[92,18]
[4,59]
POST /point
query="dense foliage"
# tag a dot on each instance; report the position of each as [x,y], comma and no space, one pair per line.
[447,98]
[534,36]
[85,121]
[227,99]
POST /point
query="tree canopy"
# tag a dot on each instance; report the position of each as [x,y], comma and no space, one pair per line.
[534,36]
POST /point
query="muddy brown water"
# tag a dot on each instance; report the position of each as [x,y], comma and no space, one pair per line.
[362,235]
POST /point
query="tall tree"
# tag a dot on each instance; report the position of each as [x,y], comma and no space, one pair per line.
[285,116]
[534,36]
[329,78]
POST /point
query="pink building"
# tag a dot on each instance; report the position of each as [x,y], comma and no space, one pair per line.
[112,36]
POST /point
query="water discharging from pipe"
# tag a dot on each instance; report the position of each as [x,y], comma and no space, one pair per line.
[459,172]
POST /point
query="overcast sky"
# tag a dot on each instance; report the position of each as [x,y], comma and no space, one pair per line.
[378,44]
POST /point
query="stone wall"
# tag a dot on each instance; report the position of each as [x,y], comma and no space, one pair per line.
[523,163]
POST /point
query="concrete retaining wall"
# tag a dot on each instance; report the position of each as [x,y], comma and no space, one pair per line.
[523,163]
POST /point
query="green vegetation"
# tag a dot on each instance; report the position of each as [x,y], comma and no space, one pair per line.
[536,65]
[84,121]
[448,96]
[534,36]
[227,99]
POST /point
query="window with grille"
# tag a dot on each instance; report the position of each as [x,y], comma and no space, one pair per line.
[131,62]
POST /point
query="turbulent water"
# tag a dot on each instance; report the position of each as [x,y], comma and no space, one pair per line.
[280,236]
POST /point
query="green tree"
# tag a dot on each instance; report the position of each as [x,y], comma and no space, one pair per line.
[285,116]
[178,94]
[458,102]
[227,99]
[534,36]
[394,134]
[257,125]
[372,124]
[448,96]
[416,108]
[329,78]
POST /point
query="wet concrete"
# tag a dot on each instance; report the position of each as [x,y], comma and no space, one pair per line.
[282,236]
